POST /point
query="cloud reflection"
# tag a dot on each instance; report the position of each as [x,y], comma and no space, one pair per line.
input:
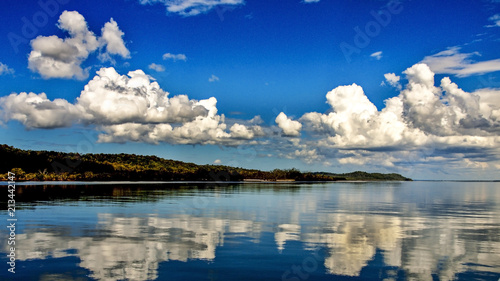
[131,247]
[424,234]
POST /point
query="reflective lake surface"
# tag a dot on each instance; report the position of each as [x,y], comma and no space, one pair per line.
[280,231]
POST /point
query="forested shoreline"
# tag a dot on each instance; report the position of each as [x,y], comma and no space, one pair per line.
[30,165]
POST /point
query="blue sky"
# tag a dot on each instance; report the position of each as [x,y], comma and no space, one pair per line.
[391,86]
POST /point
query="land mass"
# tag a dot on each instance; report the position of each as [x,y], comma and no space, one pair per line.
[29,165]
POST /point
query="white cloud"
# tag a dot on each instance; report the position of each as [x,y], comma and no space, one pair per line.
[425,125]
[422,117]
[37,111]
[131,108]
[54,57]
[311,1]
[111,98]
[174,57]
[241,131]
[213,78]
[451,61]
[217,162]
[496,20]
[377,55]
[156,67]
[189,243]
[356,122]
[192,7]
[5,69]
[289,126]
[112,39]
[393,80]
[309,156]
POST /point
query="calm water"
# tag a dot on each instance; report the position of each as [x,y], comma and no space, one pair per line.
[333,231]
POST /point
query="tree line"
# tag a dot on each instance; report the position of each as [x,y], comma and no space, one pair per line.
[30,165]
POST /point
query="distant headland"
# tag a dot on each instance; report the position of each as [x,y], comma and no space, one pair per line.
[30,165]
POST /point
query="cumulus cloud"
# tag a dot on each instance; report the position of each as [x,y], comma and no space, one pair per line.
[451,61]
[439,118]
[156,67]
[130,108]
[192,7]
[393,80]
[428,123]
[489,103]
[111,98]
[37,111]
[174,57]
[5,69]
[289,126]
[54,57]
[112,39]
[356,122]
[213,78]
[377,55]
[311,1]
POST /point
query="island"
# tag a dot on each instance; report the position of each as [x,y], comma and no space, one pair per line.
[30,165]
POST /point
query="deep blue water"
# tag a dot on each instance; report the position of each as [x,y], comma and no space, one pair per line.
[326,231]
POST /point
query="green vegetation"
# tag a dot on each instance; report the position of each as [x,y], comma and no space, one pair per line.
[29,165]
[364,176]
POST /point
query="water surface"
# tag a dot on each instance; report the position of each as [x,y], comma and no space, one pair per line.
[199,231]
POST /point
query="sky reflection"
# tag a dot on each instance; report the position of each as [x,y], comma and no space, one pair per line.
[420,231]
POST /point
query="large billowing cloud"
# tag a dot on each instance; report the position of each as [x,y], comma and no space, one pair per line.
[192,7]
[130,108]
[423,123]
[54,57]
[428,123]
[111,98]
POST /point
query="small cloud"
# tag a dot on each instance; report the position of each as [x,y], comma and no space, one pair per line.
[213,78]
[256,120]
[311,1]
[217,162]
[495,19]
[393,80]
[189,8]
[112,39]
[377,55]
[5,69]
[290,127]
[174,57]
[157,67]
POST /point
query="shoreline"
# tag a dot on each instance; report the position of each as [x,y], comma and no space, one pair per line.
[5,183]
